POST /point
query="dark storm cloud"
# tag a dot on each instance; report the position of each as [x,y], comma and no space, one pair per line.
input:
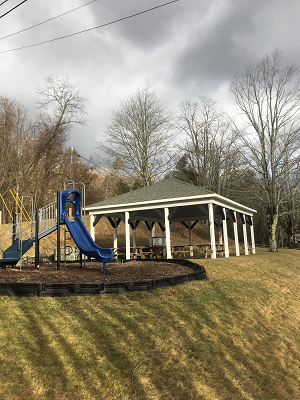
[186,49]
[144,31]
[240,32]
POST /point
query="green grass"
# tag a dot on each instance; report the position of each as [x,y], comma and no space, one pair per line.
[234,336]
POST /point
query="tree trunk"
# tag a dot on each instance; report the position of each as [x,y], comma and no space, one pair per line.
[272,224]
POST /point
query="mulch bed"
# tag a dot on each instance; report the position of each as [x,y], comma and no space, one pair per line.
[93,272]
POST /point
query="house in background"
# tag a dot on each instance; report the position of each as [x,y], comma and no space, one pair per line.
[297,238]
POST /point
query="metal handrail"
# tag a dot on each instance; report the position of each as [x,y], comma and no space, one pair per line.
[47,220]
[3,240]
[47,217]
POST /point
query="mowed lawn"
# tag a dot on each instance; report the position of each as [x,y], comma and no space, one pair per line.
[234,336]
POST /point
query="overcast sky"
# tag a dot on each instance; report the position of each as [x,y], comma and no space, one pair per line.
[185,49]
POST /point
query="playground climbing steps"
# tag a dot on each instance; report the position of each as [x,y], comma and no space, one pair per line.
[18,233]
[14,253]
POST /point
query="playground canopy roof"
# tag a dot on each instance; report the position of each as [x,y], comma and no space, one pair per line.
[186,202]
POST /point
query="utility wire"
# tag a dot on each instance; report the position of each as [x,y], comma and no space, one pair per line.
[3,2]
[50,19]
[104,169]
[90,29]
[12,8]
[98,166]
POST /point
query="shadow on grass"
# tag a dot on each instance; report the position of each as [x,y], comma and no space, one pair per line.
[214,336]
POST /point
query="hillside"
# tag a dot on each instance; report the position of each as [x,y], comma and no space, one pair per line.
[234,336]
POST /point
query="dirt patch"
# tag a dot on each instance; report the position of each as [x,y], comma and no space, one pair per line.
[93,272]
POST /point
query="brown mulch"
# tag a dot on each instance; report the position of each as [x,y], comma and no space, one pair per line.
[93,272]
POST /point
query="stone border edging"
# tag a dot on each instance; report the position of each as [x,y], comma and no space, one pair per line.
[90,289]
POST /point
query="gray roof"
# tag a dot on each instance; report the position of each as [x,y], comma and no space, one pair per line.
[169,188]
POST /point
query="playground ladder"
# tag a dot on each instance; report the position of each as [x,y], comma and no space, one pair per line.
[17,231]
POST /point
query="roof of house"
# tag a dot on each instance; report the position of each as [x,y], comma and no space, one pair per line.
[168,188]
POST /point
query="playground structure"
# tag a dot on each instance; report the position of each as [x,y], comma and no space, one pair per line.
[18,239]
[19,204]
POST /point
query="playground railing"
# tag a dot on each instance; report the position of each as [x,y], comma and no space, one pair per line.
[47,217]
[5,236]
[28,232]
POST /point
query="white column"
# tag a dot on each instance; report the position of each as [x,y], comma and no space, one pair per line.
[191,240]
[252,236]
[245,235]
[226,249]
[127,235]
[115,245]
[167,232]
[211,219]
[236,236]
[163,235]
[150,239]
[92,228]
[220,231]
[134,237]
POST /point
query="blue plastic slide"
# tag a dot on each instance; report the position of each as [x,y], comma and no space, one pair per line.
[78,230]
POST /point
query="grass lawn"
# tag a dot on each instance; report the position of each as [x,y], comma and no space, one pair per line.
[234,336]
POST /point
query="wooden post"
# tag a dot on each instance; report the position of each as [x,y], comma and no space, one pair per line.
[150,234]
[212,230]
[191,240]
[167,232]
[150,230]
[0,218]
[252,235]
[134,235]
[236,236]
[127,235]
[220,231]
[163,234]
[226,249]
[245,234]
[115,243]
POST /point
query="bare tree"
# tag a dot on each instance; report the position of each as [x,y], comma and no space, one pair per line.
[33,157]
[138,137]
[268,96]
[61,105]
[209,143]
[16,145]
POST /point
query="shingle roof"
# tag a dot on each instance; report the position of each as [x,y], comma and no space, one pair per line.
[166,189]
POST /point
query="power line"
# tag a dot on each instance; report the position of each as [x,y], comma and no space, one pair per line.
[104,169]
[90,29]
[50,19]
[98,166]
[12,8]
[3,2]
